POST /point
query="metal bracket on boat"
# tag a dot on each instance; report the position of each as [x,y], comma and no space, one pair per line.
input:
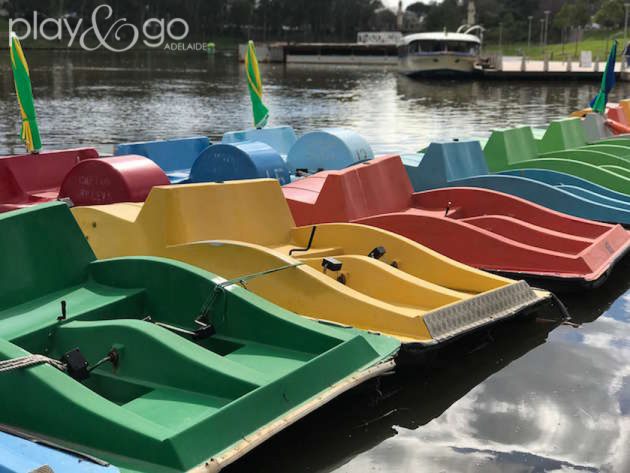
[67,201]
[76,365]
[308,245]
[203,332]
[331,264]
[112,357]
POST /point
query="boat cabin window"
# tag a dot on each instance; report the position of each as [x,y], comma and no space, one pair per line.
[465,47]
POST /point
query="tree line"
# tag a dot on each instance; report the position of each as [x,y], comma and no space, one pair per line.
[338,20]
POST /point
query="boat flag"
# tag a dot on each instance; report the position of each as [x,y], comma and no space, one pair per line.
[24,92]
[598,104]
[261,113]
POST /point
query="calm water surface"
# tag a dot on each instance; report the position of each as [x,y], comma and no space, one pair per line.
[535,398]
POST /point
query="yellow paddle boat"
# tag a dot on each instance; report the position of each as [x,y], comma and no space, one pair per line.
[348,274]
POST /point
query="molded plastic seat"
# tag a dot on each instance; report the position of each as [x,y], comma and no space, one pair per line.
[617,113]
[280,138]
[175,156]
[33,178]
[110,180]
[329,148]
[240,160]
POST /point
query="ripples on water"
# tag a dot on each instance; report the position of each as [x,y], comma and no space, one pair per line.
[533,400]
[96,98]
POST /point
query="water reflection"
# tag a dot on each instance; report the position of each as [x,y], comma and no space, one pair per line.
[538,398]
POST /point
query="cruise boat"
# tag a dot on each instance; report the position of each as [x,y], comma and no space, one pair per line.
[440,54]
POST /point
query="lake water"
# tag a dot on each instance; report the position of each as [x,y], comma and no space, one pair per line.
[536,398]
[100,99]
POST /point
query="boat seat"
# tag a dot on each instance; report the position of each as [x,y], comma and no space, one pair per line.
[329,148]
[241,160]
[175,156]
[280,138]
[81,301]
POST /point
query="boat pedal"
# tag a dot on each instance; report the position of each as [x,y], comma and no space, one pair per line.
[76,365]
[201,333]
[204,332]
[377,253]
[331,264]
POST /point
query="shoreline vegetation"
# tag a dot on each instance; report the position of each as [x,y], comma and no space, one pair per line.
[596,41]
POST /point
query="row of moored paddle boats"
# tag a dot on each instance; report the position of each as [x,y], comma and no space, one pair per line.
[186,300]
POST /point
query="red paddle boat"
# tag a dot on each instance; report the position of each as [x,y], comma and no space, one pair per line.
[482,228]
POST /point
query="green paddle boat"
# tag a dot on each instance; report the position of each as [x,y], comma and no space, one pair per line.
[516,148]
[154,365]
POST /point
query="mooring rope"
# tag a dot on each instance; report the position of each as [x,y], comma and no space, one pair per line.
[28,361]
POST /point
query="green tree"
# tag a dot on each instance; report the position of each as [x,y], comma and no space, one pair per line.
[611,14]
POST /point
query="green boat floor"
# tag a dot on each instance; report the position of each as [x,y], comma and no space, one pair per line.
[174,408]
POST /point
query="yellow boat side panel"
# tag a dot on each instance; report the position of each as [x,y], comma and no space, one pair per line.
[244,227]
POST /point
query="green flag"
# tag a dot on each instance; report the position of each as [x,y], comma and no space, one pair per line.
[261,113]
[22,80]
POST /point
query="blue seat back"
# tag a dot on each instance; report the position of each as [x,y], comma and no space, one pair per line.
[280,138]
[444,162]
[328,149]
[244,160]
[171,155]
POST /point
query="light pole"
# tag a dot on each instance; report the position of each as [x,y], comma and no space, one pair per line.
[547,13]
[542,32]
[529,32]
[501,37]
